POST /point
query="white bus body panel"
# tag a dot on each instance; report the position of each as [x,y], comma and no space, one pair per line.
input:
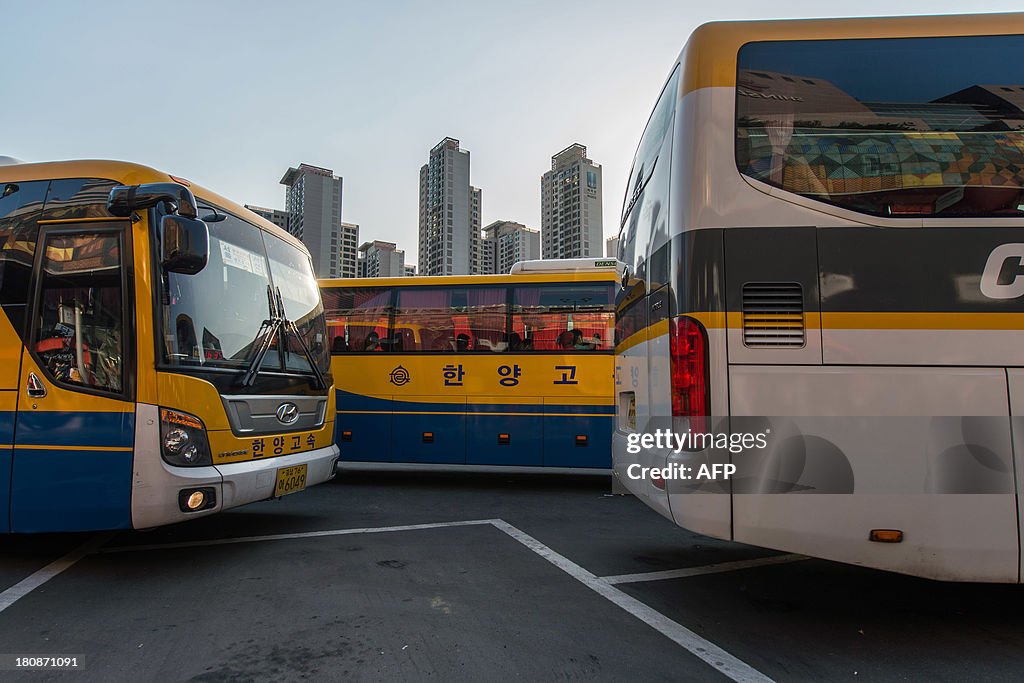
[155,484]
[922,450]
[632,383]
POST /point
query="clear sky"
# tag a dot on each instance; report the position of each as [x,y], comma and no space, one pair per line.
[230,94]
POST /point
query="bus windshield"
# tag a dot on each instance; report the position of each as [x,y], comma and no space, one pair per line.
[214,318]
[897,127]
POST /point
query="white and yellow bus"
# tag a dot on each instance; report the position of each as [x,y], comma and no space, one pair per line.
[480,370]
[162,352]
[824,226]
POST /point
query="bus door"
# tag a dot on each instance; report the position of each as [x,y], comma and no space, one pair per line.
[74,429]
[20,206]
[10,354]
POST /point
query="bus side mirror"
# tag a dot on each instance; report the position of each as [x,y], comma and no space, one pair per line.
[124,199]
[185,244]
[184,239]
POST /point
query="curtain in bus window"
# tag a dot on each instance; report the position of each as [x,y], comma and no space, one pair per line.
[486,311]
[564,317]
[357,318]
[426,315]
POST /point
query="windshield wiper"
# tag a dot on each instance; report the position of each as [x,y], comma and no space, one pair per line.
[268,330]
[278,326]
[289,326]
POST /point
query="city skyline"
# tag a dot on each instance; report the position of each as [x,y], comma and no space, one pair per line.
[364,102]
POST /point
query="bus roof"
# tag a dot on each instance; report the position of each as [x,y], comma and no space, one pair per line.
[569,265]
[127,173]
[456,280]
[709,56]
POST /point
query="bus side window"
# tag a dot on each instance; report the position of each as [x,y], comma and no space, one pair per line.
[646,202]
[564,318]
[357,318]
[20,207]
[79,314]
[460,319]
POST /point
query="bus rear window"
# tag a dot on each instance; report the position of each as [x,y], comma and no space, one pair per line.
[901,127]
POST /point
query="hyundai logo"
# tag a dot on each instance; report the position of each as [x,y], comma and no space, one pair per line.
[287,413]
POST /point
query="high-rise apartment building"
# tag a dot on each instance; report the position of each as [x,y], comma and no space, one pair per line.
[275,216]
[449,230]
[571,225]
[382,259]
[504,243]
[348,250]
[410,270]
[611,247]
[313,203]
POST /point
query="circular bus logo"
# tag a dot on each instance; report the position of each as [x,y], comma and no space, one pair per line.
[399,376]
[287,413]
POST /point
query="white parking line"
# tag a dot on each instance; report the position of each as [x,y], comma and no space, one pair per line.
[706,569]
[38,578]
[281,537]
[713,655]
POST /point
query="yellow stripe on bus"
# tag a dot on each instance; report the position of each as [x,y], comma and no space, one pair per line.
[861,320]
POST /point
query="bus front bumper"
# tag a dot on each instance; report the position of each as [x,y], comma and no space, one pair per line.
[248,482]
[156,495]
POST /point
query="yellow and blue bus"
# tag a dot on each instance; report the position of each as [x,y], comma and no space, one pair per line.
[162,352]
[485,370]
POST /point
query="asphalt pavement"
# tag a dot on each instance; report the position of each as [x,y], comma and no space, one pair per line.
[478,577]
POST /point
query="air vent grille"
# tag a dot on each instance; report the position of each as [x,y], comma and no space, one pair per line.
[773,314]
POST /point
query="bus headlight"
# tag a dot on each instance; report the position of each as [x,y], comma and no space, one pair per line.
[183,441]
[175,440]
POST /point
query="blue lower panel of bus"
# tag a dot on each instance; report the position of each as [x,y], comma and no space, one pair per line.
[478,433]
[429,435]
[72,472]
[364,428]
[71,490]
[6,439]
[561,447]
[504,434]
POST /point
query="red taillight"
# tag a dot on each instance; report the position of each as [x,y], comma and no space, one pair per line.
[688,348]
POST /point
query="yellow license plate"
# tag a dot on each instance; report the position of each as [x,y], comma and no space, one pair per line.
[290,480]
[631,413]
